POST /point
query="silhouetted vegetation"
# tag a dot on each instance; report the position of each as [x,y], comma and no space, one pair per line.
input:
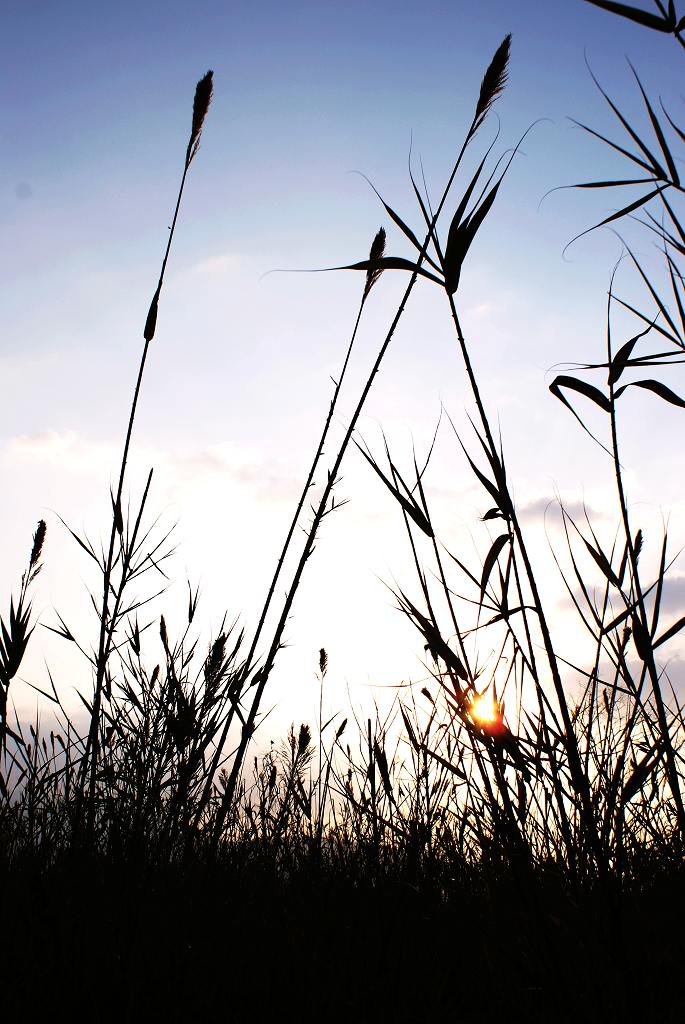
[492,848]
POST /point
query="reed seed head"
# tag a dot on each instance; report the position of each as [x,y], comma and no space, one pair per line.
[215,660]
[203,97]
[494,81]
[38,540]
[303,740]
[272,778]
[151,321]
[375,253]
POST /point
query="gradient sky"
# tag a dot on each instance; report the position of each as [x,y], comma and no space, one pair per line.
[93,129]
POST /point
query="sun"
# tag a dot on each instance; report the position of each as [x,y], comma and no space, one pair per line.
[485,711]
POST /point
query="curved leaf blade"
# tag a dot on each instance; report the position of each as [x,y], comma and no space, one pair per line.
[582,387]
[489,564]
[634,14]
[657,388]
[387,263]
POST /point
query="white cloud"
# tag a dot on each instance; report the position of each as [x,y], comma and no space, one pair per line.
[673,598]
[480,310]
[223,263]
[66,450]
[549,507]
[267,478]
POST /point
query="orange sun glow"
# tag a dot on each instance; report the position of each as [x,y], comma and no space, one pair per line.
[485,711]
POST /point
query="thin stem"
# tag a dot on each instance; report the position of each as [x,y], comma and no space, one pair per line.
[107,623]
[648,653]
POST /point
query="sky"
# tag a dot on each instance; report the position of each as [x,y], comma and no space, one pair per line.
[93,129]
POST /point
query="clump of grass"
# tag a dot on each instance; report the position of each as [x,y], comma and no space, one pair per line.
[15,635]
[560,783]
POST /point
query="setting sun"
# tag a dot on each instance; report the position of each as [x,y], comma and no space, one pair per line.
[485,711]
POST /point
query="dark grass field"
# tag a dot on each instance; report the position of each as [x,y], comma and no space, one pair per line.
[240,943]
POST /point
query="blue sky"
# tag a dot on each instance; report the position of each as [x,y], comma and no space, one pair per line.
[93,131]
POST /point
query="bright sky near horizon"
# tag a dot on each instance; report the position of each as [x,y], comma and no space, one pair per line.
[95,119]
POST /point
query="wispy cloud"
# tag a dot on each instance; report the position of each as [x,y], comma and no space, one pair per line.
[268,479]
[223,263]
[65,449]
[481,310]
[548,507]
[673,597]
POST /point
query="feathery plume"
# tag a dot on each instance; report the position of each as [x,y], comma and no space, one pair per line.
[38,539]
[375,253]
[151,321]
[163,634]
[203,97]
[303,740]
[215,661]
[494,81]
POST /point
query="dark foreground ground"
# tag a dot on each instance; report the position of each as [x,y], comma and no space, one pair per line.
[96,943]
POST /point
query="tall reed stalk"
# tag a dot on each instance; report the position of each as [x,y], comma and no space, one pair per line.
[109,615]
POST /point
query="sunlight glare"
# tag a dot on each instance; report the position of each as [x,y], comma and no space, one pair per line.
[485,711]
